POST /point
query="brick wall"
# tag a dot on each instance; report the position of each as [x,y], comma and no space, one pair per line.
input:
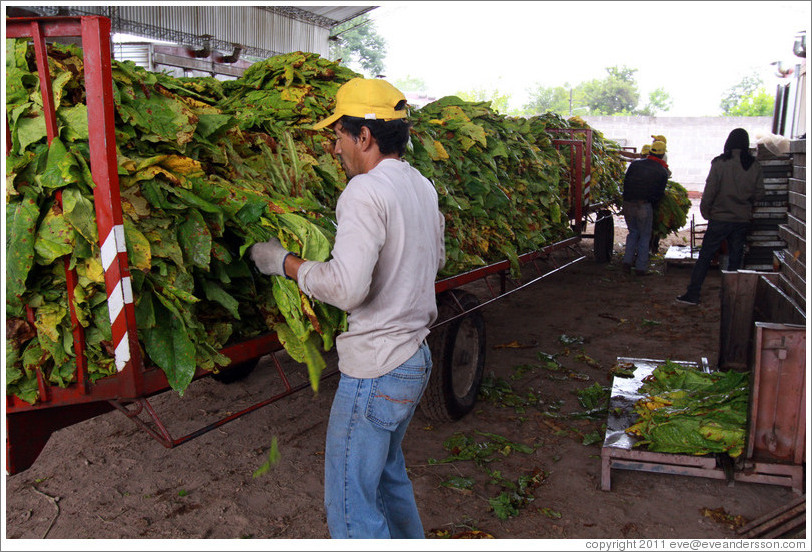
[692,141]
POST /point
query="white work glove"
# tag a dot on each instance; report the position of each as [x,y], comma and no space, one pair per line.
[269,257]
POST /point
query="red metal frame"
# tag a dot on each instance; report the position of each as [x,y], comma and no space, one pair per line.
[577,195]
[29,426]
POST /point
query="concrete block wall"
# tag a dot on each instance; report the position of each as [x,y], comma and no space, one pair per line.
[692,141]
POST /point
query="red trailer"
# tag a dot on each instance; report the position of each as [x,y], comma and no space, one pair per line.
[457,339]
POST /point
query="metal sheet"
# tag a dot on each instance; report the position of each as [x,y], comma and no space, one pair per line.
[625,393]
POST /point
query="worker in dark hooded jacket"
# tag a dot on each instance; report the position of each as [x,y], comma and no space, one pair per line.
[735,183]
[643,188]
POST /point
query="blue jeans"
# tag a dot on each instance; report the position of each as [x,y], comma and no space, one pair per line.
[718,231]
[367,493]
[639,217]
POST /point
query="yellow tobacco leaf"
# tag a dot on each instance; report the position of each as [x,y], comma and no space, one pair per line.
[439,152]
[91,269]
[180,164]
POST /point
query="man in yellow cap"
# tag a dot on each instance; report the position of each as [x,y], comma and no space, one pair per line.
[388,248]
[645,151]
[643,188]
[633,155]
[661,138]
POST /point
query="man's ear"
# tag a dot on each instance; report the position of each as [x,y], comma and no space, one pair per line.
[365,138]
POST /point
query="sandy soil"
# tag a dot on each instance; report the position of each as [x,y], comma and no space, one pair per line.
[107,479]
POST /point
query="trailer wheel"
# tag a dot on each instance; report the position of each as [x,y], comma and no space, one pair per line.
[458,358]
[604,236]
[235,372]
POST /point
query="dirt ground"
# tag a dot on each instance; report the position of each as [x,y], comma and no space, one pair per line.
[107,479]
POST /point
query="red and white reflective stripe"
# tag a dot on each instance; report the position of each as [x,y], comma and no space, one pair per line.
[121,294]
[587,179]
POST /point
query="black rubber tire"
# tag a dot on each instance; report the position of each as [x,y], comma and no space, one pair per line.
[235,372]
[604,237]
[458,358]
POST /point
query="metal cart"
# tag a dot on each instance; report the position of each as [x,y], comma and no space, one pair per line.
[457,340]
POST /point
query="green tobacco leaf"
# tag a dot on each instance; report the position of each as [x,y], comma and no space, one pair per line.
[54,237]
[312,244]
[80,212]
[27,129]
[21,221]
[48,318]
[273,459]
[164,119]
[286,295]
[195,239]
[169,346]
[217,294]
[306,352]
[74,120]
[139,250]
[164,244]
[210,123]
[61,168]
[459,483]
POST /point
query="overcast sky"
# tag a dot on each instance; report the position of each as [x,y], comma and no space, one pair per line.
[694,50]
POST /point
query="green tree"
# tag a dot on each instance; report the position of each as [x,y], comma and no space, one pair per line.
[549,99]
[359,46]
[410,84]
[616,94]
[748,98]
[756,104]
[499,101]
[658,101]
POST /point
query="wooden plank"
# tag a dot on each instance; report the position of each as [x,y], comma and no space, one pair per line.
[777,422]
[771,520]
[773,305]
[793,277]
[736,326]
[796,244]
[797,205]
[799,172]
[786,527]
[796,225]
[792,267]
[797,185]
[768,516]
[799,200]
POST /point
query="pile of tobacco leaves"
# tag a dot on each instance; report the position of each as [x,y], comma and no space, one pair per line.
[687,411]
[208,168]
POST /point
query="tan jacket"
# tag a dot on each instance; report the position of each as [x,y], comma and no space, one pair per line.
[730,191]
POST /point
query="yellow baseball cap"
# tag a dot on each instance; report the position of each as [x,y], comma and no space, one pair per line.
[368,99]
[659,138]
[646,149]
[658,147]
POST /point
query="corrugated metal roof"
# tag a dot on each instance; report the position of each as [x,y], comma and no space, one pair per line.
[262,31]
[324,16]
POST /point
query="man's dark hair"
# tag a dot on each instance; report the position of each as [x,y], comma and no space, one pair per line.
[391,136]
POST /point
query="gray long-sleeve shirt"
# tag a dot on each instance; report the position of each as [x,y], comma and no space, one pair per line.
[388,249]
[730,191]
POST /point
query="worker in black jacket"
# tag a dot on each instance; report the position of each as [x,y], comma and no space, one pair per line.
[643,188]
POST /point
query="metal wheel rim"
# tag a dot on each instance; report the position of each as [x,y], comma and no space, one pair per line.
[465,359]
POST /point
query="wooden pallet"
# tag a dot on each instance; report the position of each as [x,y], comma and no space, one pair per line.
[768,473]
[788,521]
